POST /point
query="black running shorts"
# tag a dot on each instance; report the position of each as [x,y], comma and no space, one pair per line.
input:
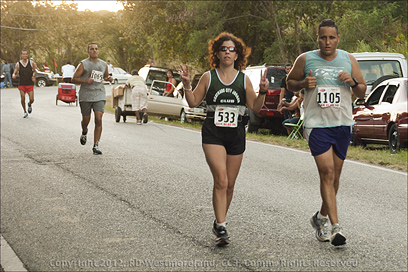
[233,139]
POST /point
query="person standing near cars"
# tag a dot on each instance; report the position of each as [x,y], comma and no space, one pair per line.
[91,73]
[328,76]
[172,83]
[227,92]
[68,71]
[285,95]
[6,70]
[139,96]
[27,70]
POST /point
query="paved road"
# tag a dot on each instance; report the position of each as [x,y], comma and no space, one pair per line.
[145,204]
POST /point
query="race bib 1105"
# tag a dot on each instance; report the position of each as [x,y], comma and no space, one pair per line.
[97,75]
[328,97]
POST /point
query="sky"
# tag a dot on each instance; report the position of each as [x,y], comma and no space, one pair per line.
[110,5]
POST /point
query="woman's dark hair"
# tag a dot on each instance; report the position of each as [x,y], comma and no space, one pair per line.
[242,51]
[171,72]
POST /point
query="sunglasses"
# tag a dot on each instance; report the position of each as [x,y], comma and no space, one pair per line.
[229,48]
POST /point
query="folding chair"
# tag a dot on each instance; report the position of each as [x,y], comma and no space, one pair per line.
[295,134]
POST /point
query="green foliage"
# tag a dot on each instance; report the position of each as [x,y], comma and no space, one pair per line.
[174,32]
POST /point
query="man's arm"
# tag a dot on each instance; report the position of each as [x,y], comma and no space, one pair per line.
[15,71]
[296,79]
[106,75]
[34,65]
[78,73]
[360,89]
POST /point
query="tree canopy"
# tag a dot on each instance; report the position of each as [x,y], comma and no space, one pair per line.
[174,32]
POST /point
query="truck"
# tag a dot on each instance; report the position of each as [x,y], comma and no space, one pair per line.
[379,66]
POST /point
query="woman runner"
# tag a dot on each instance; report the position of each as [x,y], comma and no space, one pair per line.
[227,92]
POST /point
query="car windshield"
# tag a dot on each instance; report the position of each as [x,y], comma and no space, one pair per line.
[275,78]
[155,75]
[374,69]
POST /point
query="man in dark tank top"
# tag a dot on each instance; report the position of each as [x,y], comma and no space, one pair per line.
[27,69]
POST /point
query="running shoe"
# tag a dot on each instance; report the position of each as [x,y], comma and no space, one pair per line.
[96,150]
[30,109]
[337,238]
[139,122]
[82,139]
[25,115]
[145,116]
[222,235]
[321,227]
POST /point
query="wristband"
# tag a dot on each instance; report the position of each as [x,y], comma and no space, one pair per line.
[265,92]
[187,90]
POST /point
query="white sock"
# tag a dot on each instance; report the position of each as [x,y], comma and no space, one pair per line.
[223,224]
[320,216]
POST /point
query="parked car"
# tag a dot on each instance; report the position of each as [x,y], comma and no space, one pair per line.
[150,73]
[382,117]
[42,79]
[166,106]
[269,116]
[119,75]
[379,66]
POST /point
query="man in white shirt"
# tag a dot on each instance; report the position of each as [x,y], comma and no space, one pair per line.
[68,71]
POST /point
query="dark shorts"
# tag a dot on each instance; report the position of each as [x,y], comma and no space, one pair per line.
[26,89]
[96,106]
[321,139]
[293,120]
[67,80]
[233,139]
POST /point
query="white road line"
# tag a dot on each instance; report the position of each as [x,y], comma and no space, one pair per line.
[9,260]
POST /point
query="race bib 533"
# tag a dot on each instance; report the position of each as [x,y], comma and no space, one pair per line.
[226,117]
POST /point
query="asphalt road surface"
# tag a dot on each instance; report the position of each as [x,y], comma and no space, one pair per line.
[145,204]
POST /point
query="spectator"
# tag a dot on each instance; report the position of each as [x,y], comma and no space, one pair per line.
[139,96]
[67,71]
[170,87]
[45,67]
[285,94]
[295,106]
[6,70]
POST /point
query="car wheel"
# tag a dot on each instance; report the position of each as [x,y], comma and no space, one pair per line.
[393,139]
[118,113]
[56,100]
[41,82]
[183,118]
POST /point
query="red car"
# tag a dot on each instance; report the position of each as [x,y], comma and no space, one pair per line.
[269,116]
[382,117]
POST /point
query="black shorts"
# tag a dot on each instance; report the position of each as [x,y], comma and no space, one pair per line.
[233,139]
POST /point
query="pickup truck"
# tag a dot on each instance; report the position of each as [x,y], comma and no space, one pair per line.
[379,66]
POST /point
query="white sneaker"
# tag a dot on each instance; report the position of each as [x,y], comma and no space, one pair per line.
[337,238]
[321,227]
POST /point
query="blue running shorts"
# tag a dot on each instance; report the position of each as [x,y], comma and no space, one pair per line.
[321,139]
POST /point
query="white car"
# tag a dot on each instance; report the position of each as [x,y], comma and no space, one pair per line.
[119,76]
